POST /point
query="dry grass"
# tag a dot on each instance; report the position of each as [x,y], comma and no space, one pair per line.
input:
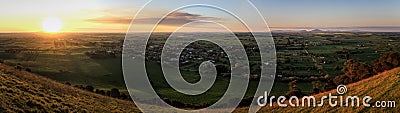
[22,91]
[382,87]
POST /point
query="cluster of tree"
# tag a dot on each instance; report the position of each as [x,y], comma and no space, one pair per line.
[356,71]
[243,103]
[13,50]
[114,92]
[101,54]
[179,104]
[303,78]
[353,71]
[315,89]
[20,67]
[294,90]
[386,62]
[344,54]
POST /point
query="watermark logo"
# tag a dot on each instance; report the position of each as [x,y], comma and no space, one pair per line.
[332,100]
[341,89]
[134,55]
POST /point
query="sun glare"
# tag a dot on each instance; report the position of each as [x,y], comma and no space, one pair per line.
[51,24]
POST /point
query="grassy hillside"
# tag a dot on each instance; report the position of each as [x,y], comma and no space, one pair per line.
[21,91]
[382,87]
[27,92]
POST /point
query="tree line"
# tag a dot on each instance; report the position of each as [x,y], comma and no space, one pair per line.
[354,71]
[114,92]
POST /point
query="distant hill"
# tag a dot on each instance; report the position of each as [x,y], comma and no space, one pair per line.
[382,87]
[316,30]
[21,91]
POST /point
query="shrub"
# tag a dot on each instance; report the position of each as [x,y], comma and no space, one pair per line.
[28,70]
[19,67]
[79,86]
[316,87]
[293,90]
[123,96]
[89,88]
[114,92]
[102,92]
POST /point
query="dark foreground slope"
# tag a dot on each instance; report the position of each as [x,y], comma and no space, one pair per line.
[22,91]
[382,87]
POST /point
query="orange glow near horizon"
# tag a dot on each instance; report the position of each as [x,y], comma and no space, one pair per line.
[113,16]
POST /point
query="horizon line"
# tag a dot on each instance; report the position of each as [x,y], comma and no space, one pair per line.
[271,29]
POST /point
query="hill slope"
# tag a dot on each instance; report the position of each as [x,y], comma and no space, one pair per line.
[22,91]
[382,87]
[27,92]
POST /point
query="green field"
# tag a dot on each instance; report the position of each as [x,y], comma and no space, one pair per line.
[62,57]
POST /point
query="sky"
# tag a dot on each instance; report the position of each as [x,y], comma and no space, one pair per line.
[116,15]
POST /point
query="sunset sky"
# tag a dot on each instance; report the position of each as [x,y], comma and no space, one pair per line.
[115,15]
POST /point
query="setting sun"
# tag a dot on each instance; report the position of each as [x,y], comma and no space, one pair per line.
[51,24]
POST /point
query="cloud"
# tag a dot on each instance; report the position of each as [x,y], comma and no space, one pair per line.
[111,20]
[174,19]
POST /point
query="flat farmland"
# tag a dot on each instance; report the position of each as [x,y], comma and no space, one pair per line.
[95,58]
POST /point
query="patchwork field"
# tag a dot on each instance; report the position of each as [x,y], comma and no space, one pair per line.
[95,59]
